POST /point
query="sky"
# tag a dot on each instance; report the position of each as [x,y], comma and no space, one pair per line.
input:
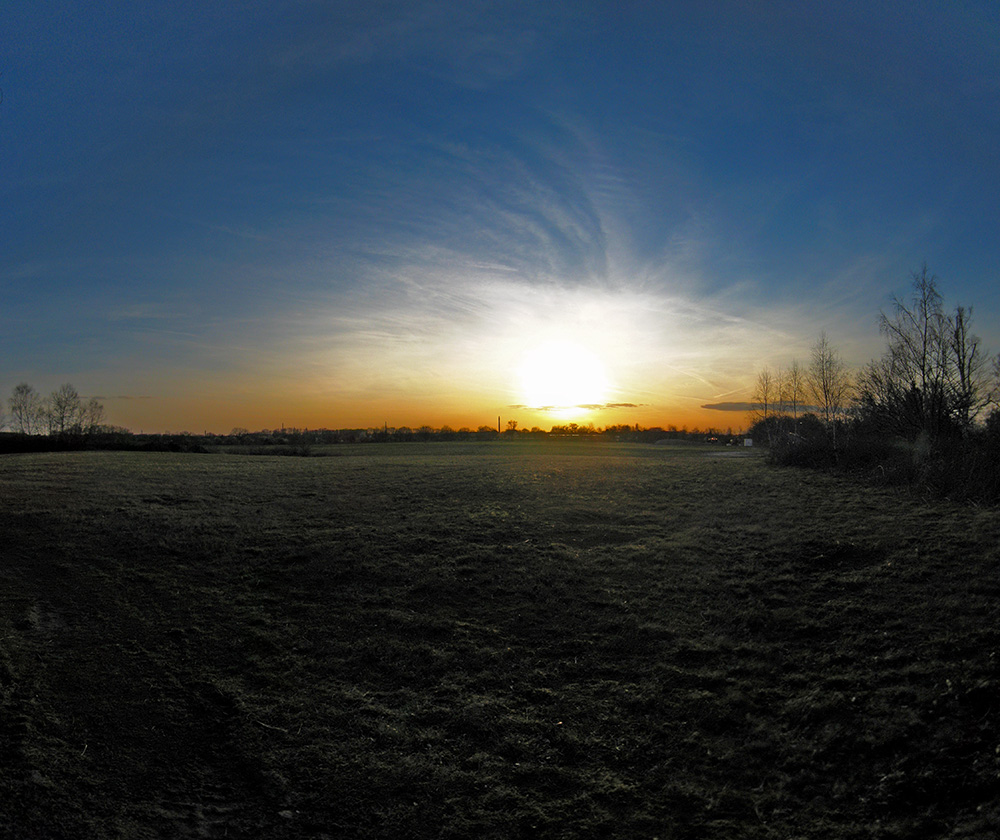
[349,214]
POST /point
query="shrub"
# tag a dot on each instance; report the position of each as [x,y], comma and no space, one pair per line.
[798,442]
[882,459]
[966,469]
[794,450]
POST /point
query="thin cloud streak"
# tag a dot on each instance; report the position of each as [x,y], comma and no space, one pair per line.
[746,407]
[581,406]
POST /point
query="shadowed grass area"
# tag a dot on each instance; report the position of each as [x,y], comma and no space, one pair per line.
[490,640]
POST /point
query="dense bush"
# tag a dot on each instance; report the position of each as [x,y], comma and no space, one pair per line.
[795,441]
[965,468]
[913,414]
[11,443]
[883,459]
[959,466]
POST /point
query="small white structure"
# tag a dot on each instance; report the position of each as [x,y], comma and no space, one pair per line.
[748,441]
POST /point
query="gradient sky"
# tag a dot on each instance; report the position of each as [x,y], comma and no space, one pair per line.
[333,214]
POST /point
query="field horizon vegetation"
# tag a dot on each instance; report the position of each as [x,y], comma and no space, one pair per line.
[926,413]
[492,639]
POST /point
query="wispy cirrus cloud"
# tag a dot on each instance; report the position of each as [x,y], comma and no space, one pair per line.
[731,406]
[351,207]
[580,406]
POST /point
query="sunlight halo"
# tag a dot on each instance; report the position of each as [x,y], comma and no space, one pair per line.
[562,375]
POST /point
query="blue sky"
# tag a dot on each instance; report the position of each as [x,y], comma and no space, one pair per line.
[344,214]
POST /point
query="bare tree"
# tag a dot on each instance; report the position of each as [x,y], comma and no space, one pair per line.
[795,387]
[877,388]
[829,381]
[64,410]
[995,382]
[781,391]
[934,377]
[765,394]
[91,416]
[968,373]
[917,345]
[26,410]
[791,388]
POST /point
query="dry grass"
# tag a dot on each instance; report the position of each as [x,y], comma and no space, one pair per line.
[490,640]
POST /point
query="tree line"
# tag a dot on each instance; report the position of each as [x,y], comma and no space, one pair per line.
[788,392]
[242,437]
[926,411]
[63,412]
[33,434]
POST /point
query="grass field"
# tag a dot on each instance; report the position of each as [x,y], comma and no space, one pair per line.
[491,640]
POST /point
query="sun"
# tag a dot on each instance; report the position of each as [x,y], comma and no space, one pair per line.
[562,376]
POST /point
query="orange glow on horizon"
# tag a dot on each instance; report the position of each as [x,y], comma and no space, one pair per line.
[197,416]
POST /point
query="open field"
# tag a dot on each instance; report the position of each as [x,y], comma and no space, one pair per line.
[559,640]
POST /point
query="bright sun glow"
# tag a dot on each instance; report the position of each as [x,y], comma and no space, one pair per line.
[563,376]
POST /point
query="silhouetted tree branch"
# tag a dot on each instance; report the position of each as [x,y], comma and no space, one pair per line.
[829,381]
[26,410]
[934,377]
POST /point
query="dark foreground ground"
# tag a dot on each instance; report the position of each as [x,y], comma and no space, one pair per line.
[490,641]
